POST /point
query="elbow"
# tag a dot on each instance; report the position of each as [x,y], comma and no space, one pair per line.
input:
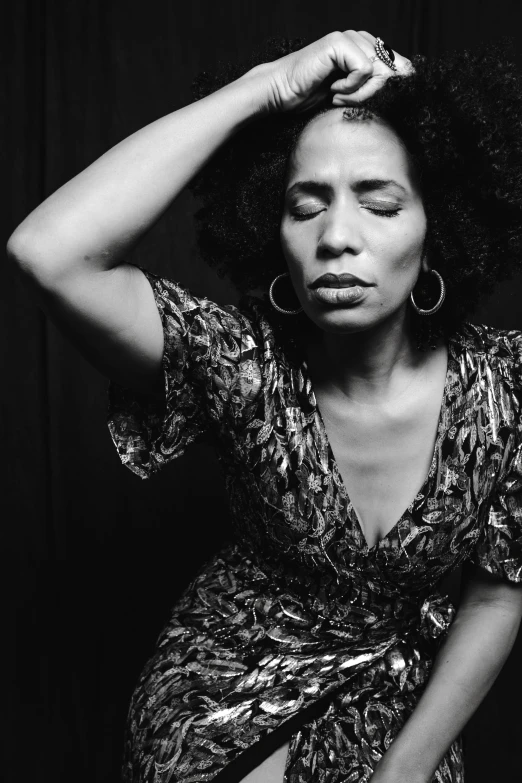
[14,246]
[21,248]
[481,588]
[502,606]
[33,254]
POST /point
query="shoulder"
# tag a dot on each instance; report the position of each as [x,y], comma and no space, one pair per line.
[489,372]
[489,361]
[197,312]
[501,345]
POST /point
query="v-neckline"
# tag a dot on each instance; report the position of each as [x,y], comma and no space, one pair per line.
[332,462]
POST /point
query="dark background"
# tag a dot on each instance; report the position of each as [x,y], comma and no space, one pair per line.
[93,557]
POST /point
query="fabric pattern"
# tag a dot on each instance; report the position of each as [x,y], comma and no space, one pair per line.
[297,630]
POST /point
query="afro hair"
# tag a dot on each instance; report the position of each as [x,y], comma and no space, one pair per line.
[458,115]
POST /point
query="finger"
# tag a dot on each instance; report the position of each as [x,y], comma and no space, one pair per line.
[404,66]
[350,58]
[362,94]
[364,43]
[367,37]
[348,85]
[407,68]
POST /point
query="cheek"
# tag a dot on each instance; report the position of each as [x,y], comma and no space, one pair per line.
[402,264]
[290,238]
[409,260]
[284,238]
[408,249]
[293,245]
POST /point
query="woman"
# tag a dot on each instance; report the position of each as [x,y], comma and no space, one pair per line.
[361,467]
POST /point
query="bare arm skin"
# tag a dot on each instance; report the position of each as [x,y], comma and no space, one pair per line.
[70,250]
[477,646]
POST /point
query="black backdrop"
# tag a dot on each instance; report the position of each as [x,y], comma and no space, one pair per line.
[93,556]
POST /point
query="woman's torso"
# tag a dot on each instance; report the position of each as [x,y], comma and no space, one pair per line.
[383,447]
[299,608]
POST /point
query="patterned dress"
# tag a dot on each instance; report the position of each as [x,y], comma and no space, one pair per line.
[297,630]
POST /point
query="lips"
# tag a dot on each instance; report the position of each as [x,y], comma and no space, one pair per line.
[344,280]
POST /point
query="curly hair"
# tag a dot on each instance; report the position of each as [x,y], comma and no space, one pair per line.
[459,116]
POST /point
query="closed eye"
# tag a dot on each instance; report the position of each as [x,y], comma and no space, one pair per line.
[305,213]
[382,210]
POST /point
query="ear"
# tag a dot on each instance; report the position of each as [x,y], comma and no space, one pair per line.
[424,263]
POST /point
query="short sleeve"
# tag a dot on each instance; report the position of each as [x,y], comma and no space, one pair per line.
[212,374]
[499,547]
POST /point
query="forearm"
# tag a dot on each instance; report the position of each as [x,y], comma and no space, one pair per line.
[99,215]
[477,645]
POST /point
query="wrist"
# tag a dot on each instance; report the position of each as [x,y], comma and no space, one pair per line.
[258,82]
[237,103]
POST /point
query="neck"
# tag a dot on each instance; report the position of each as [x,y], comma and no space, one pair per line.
[370,365]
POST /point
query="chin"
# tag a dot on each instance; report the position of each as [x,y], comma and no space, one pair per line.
[343,320]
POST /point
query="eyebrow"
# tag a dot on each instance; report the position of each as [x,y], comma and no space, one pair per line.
[361,186]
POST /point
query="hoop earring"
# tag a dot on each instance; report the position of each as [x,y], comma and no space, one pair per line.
[442,297]
[271,296]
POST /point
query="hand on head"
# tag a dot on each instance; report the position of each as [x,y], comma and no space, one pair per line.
[344,66]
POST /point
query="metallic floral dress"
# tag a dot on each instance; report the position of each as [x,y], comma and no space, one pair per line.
[297,630]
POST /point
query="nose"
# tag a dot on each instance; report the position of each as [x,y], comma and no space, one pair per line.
[341,231]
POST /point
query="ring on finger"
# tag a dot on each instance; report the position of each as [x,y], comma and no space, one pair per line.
[384,53]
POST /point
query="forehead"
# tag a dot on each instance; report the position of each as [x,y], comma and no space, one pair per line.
[333,148]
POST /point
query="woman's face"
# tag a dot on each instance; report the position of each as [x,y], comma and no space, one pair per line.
[352,207]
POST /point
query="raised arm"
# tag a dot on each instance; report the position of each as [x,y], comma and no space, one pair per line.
[71,249]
